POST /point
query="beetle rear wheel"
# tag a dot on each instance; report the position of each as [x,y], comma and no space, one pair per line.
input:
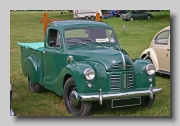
[73,105]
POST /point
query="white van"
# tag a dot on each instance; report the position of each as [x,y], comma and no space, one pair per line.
[87,14]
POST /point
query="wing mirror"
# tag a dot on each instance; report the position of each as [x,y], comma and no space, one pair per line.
[71,59]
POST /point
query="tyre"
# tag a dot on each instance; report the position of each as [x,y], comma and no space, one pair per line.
[37,88]
[148,17]
[149,59]
[92,17]
[73,105]
[86,17]
[131,18]
[148,102]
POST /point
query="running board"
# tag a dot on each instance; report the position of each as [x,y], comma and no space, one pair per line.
[163,72]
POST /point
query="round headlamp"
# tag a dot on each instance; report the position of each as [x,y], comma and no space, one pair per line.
[89,74]
[150,69]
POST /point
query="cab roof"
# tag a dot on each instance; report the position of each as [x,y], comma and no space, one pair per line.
[77,23]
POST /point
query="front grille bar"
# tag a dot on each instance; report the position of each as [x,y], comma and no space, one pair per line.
[124,80]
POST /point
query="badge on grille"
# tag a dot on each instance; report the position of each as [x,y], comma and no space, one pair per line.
[124,64]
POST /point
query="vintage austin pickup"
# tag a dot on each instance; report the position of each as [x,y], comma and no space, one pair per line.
[82,61]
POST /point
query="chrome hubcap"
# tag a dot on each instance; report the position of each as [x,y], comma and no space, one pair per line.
[74,98]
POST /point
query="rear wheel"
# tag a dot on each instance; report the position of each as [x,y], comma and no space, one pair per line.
[73,105]
[92,17]
[148,17]
[131,18]
[34,87]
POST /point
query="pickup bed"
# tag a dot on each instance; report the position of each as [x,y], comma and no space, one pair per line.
[82,61]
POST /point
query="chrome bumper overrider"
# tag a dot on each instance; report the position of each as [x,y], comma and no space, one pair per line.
[100,97]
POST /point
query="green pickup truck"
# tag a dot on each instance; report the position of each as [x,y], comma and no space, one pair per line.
[82,61]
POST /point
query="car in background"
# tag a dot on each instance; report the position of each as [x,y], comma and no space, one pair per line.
[136,15]
[112,12]
[159,51]
[119,12]
[106,16]
[153,10]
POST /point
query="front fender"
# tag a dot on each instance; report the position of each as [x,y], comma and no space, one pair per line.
[76,71]
[141,79]
[153,57]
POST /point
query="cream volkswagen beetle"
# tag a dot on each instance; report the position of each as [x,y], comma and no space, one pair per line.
[159,51]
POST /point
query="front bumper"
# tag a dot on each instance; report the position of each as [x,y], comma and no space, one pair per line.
[100,97]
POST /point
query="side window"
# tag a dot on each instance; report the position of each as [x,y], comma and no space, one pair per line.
[162,38]
[54,39]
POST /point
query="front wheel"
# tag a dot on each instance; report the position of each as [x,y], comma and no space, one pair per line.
[73,105]
[148,102]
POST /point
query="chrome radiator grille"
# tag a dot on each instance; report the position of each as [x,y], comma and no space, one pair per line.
[122,81]
[119,66]
[115,82]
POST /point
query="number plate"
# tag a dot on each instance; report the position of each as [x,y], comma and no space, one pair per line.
[125,102]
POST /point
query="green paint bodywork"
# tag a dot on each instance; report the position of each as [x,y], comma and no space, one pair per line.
[48,66]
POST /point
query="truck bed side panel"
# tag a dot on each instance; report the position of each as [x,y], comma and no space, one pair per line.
[31,61]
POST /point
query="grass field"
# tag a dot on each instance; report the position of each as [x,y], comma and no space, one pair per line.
[25,27]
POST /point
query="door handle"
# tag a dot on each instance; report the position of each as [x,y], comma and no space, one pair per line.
[168,49]
[44,52]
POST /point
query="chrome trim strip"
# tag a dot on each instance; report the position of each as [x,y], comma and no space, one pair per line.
[122,57]
[100,97]
[125,105]
[124,80]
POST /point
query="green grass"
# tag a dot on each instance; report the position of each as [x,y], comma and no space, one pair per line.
[25,27]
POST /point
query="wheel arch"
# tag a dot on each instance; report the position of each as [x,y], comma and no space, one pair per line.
[76,72]
[153,57]
[30,68]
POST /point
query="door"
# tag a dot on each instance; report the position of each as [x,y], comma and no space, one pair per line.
[52,59]
[168,54]
[162,50]
[142,15]
[135,14]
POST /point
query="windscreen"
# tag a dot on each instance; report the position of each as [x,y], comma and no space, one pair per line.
[90,34]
